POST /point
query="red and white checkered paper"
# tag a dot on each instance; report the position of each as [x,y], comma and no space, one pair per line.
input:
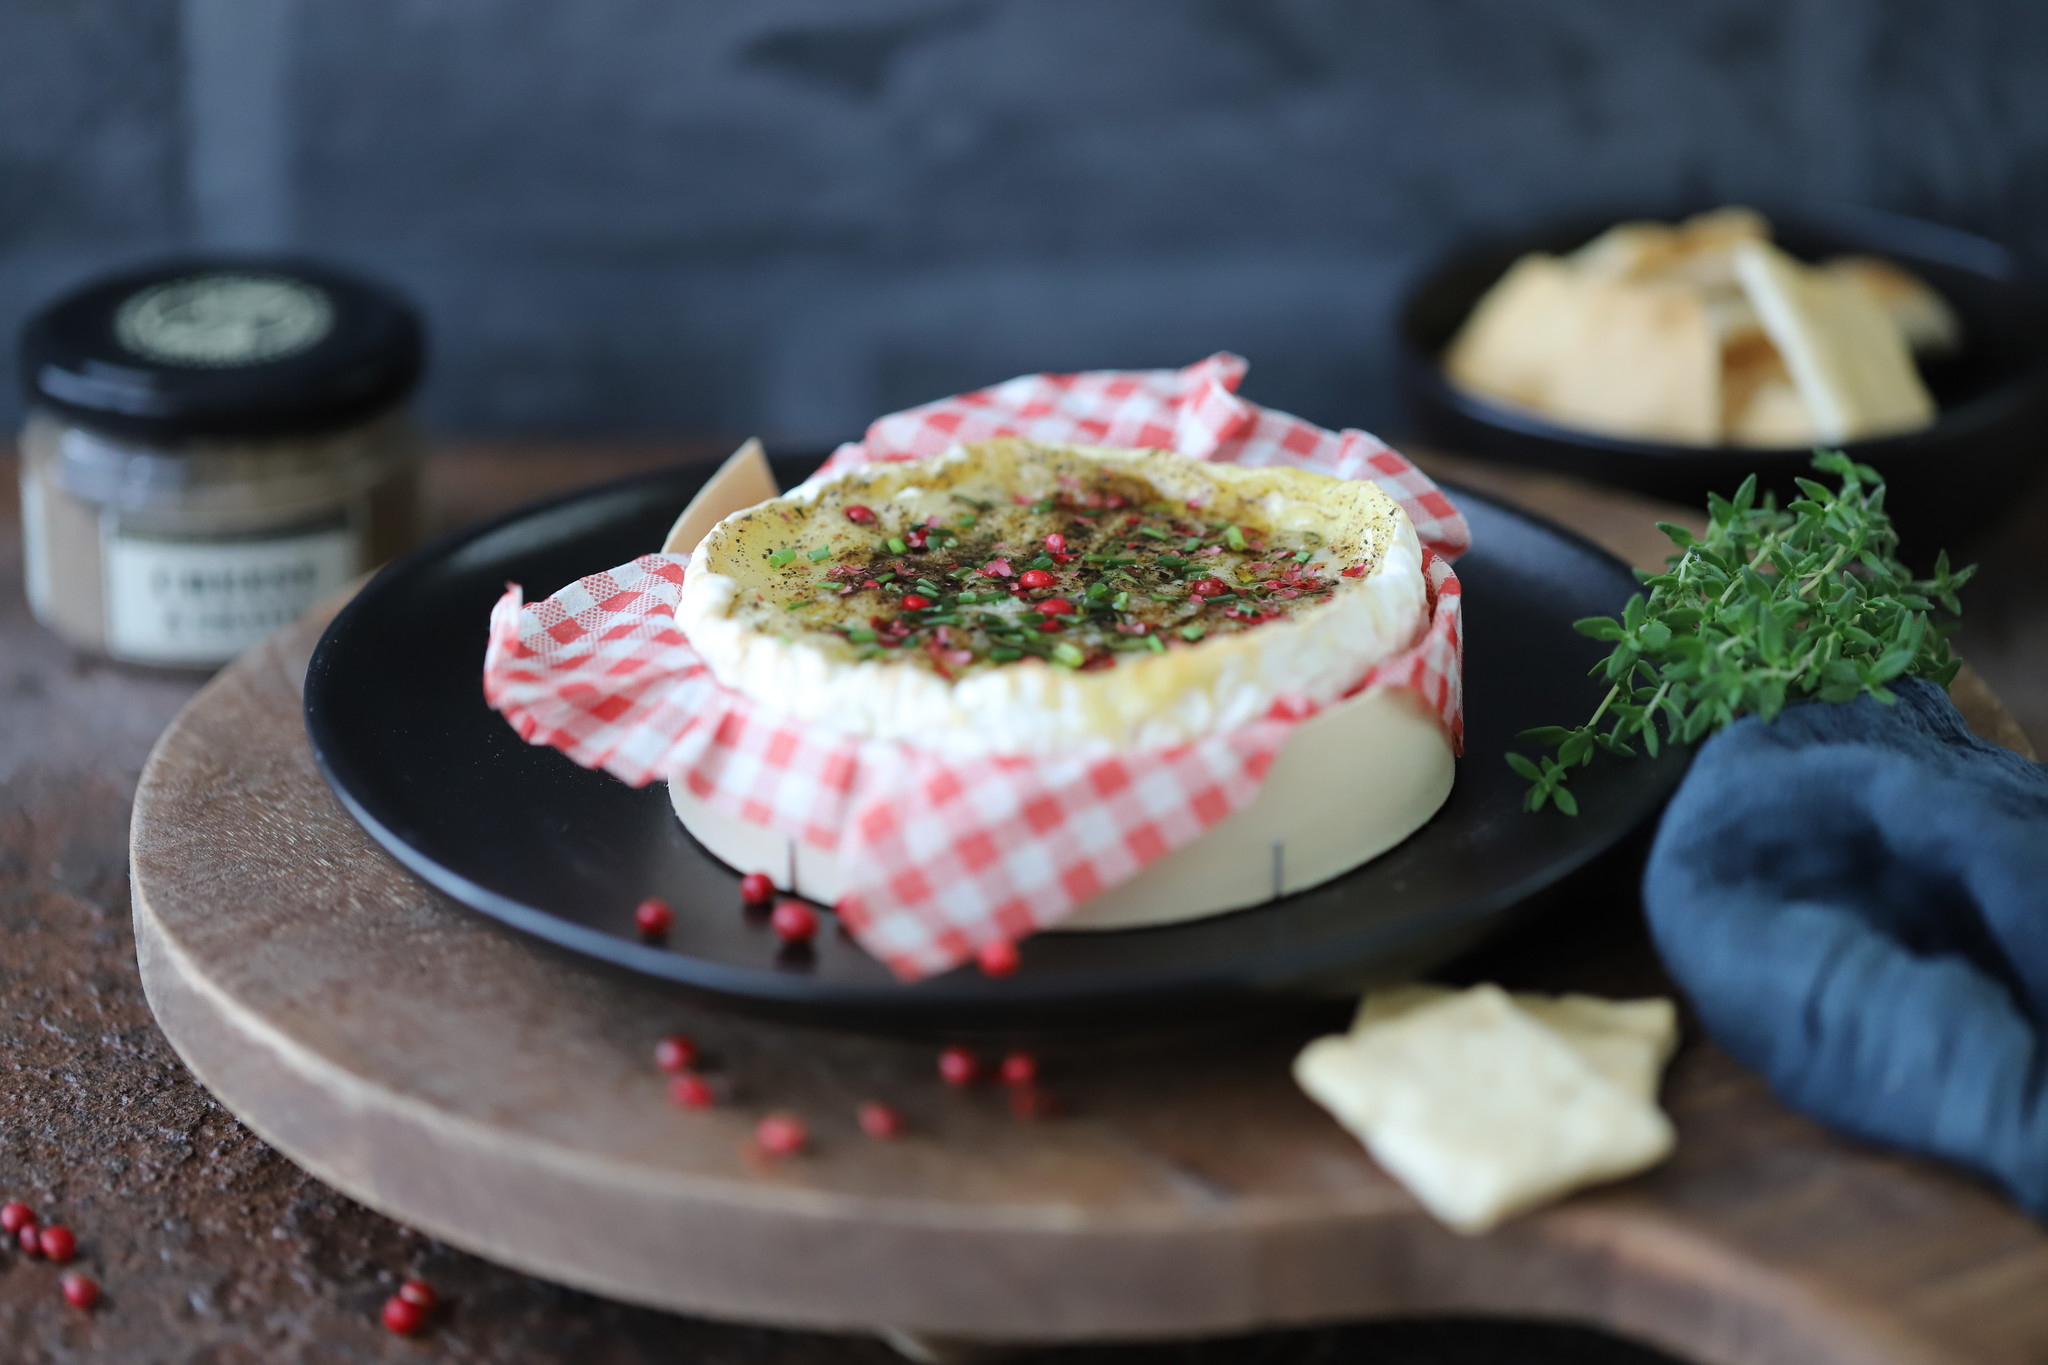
[941,856]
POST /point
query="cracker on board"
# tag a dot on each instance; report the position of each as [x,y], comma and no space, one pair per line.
[1479,1109]
[1846,356]
[1627,1041]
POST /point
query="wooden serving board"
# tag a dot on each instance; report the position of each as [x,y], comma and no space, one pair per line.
[484,1089]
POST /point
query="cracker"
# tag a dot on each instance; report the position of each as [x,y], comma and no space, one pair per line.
[1481,1110]
[1846,356]
[1640,360]
[1760,405]
[1626,1041]
[1505,349]
[1923,316]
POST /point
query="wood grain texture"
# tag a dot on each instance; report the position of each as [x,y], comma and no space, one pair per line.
[500,1096]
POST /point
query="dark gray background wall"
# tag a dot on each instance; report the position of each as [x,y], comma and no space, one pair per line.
[791,215]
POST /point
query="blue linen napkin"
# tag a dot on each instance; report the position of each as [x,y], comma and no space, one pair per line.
[1855,898]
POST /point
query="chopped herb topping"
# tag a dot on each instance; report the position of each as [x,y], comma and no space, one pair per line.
[1122,571]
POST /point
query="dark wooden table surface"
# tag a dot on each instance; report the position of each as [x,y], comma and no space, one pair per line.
[213,1249]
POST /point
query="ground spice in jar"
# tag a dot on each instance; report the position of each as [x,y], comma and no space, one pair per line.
[213,446]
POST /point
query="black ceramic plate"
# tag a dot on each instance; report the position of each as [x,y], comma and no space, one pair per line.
[1948,482]
[395,709]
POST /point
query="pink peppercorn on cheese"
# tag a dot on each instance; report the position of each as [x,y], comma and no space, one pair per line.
[1014,597]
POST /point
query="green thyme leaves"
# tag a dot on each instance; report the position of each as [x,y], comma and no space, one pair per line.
[1771,606]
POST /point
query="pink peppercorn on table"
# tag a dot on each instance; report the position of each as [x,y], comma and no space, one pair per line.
[488,1092]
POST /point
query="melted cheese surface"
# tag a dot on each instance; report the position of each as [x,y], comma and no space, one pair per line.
[1012,597]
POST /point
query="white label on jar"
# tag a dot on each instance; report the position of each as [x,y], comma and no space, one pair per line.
[35,545]
[204,602]
[224,319]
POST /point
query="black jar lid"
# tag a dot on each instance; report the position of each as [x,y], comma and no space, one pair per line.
[222,346]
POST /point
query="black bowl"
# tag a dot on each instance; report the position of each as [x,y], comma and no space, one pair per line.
[1948,482]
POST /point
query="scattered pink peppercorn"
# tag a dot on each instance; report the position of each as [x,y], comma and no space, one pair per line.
[880,1122]
[1035,579]
[997,957]
[781,1134]
[1056,606]
[915,601]
[81,1290]
[31,1240]
[1056,543]
[654,918]
[997,568]
[420,1295]
[58,1243]
[1208,587]
[794,922]
[691,1091]
[860,516]
[757,888]
[402,1316]
[675,1053]
[958,1066]
[15,1215]
[1028,1103]
[1019,1068]
[917,537]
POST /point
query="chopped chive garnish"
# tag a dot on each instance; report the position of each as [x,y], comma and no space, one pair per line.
[1155,644]
[1154,532]
[1042,507]
[1120,601]
[1193,633]
[1191,544]
[885,578]
[1003,654]
[897,547]
[927,585]
[976,503]
[1304,556]
[860,635]
[822,552]
[1043,562]
[781,557]
[1164,596]
[1233,537]
[1069,655]
[1098,589]
[793,606]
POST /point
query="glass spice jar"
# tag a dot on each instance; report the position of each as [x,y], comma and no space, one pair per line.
[212,446]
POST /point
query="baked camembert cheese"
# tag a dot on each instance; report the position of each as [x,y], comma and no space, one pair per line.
[1020,598]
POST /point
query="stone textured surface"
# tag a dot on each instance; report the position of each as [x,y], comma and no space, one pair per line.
[661,215]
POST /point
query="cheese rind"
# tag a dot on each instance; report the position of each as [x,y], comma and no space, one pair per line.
[1349,784]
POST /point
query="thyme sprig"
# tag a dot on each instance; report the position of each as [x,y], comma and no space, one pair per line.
[1772,605]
